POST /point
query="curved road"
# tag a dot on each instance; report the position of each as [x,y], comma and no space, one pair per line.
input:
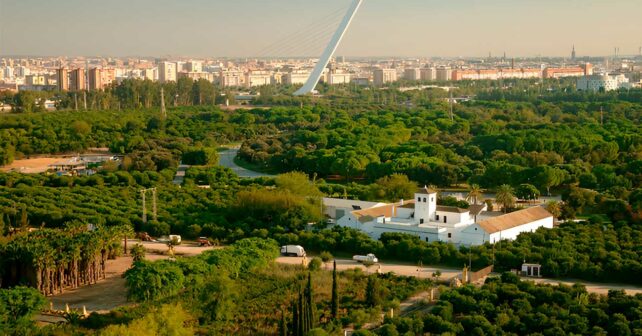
[226,159]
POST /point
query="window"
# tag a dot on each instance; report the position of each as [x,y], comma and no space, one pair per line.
[418,199]
[445,219]
[424,200]
[475,229]
[432,199]
[421,221]
[450,235]
[426,238]
[436,217]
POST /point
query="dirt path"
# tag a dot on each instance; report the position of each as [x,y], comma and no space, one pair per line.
[399,269]
[111,292]
[103,296]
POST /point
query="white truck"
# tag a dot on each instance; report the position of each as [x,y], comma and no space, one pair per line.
[368,258]
[293,251]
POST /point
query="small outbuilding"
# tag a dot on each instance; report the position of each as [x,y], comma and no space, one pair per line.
[532,270]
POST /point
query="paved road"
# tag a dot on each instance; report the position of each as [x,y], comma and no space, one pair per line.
[448,273]
[180,174]
[226,159]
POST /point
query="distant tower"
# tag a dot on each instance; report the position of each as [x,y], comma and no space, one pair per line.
[573,54]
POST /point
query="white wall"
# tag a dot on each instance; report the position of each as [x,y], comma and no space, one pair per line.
[512,233]
[425,210]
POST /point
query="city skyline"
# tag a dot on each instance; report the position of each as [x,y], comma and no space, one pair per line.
[426,28]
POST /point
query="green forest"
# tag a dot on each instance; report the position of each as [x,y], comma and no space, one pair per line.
[352,143]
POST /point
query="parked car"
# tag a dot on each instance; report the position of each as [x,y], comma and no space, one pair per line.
[368,258]
[203,241]
[144,236]
[293,251]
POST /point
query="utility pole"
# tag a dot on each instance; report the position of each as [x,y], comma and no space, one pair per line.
[601,116]
[450,101]
[162,102]
[142,192]
[154,213]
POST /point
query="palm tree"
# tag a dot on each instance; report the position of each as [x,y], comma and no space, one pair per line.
[474,194]
[505,196]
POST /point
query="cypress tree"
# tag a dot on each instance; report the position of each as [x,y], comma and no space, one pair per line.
[309,304]
[334,306]
[2,225]
[372,292]
[283,327]
[24,221]
[301,316]
[295,318]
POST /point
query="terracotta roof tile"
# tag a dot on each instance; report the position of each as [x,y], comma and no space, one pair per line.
[514,219]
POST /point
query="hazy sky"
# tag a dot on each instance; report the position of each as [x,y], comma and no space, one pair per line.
[204,28]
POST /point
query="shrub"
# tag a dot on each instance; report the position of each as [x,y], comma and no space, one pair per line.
[326,256]
[315,264]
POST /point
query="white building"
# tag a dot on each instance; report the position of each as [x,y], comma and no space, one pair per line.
[596,83]
[422,217]
[194,66]
[258,78]
[335,208]
[167,72]
[231,78]
[384,76]
[295,77]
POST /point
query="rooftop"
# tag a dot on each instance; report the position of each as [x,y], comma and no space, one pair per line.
[451,209]
[425,190]
[514,219]
[388,210]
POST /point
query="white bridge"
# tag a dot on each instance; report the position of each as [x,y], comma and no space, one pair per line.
[329,51]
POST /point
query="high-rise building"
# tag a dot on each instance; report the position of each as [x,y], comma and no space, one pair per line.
[296,77]
[21,71]
[194,66]
[151,74]
[412,74]
[428,74]
[35,80]
[77,80]
[95,79]
[231,78]
[258,78]
[62,79]
[444,73]
[167,72]
[383,76]
[98,78]
[8,72]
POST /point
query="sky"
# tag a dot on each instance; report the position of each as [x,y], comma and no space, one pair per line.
[247,28]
